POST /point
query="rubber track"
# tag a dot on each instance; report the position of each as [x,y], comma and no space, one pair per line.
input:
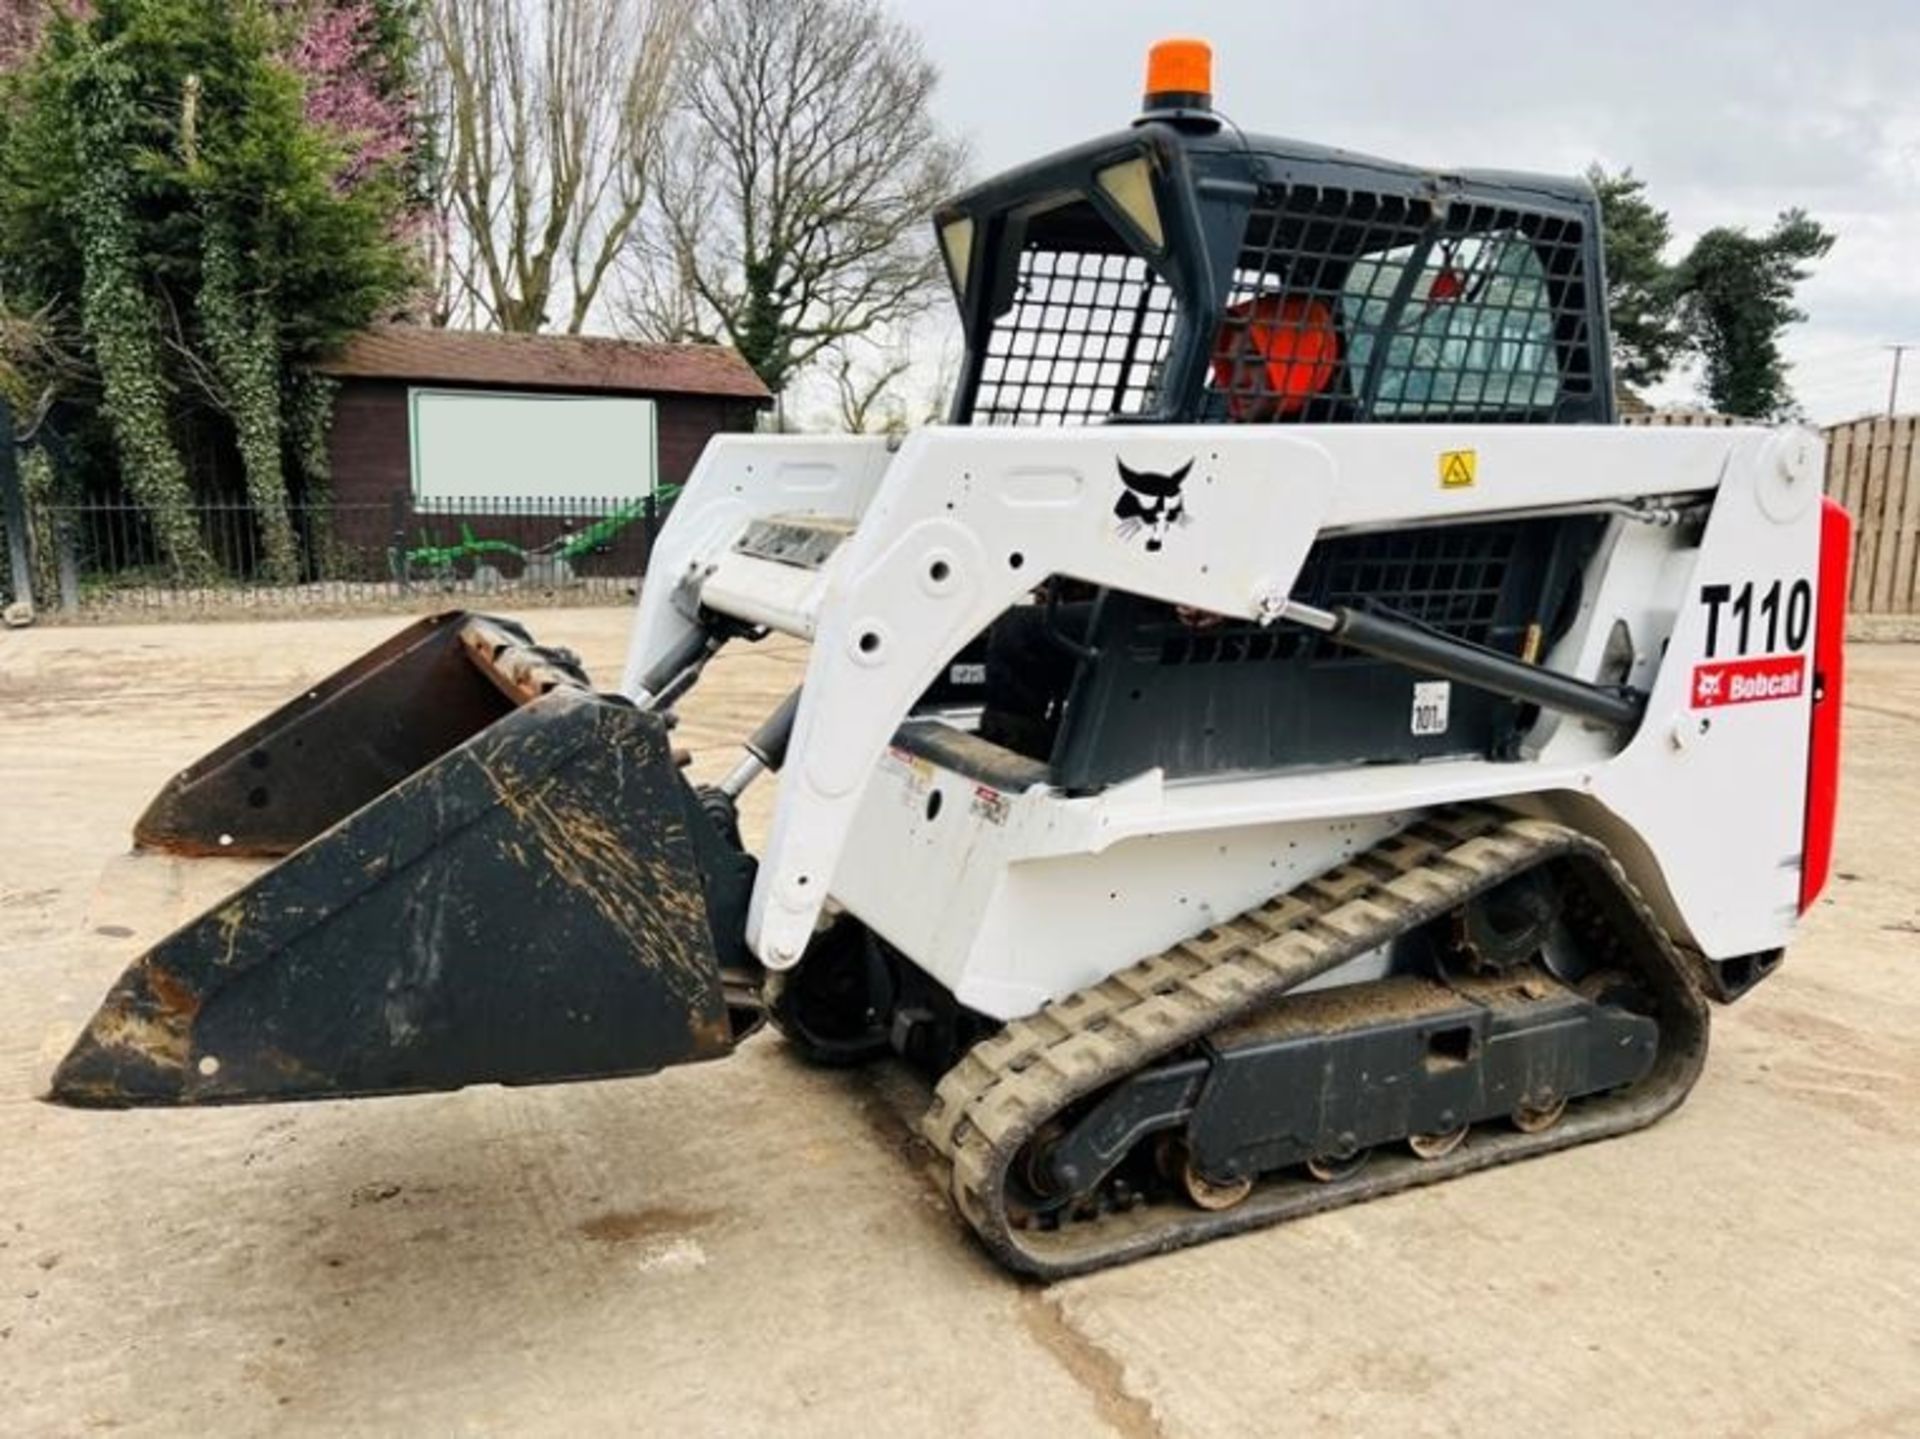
[1005,1088]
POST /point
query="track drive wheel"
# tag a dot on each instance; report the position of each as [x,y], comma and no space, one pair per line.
[1504,928]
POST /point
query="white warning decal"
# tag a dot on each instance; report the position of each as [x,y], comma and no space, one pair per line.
[1431,700]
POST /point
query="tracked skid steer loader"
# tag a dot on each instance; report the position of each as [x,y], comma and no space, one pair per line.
[1281,743]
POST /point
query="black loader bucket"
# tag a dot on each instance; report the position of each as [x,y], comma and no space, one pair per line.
[504,881]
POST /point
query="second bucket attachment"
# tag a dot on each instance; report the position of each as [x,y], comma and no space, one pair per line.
[353,736]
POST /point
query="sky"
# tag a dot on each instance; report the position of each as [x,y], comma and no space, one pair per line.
[1731,113]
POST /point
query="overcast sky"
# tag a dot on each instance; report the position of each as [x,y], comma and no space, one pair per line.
[1730,112]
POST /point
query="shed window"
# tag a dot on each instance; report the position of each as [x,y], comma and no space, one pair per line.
[471,447]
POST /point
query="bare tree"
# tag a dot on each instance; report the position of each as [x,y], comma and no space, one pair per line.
[860,393]
[549,122]
[890,384]
[793,212]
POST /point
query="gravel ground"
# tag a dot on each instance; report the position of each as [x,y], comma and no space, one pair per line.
[753,1247]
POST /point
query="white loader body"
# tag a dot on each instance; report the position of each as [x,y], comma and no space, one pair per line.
[890,562]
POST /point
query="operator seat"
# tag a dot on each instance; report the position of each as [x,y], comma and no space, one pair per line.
[1273,355]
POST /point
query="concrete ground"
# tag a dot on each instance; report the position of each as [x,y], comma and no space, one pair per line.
[753,1247]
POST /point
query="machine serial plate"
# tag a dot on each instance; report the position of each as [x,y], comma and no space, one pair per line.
[801,541]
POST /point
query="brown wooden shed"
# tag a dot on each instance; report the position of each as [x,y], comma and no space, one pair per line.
[700,391]
[512,431]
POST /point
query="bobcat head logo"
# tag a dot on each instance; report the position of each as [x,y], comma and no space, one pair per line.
[1150,504]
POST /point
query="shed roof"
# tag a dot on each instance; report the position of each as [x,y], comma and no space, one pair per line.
[545,362]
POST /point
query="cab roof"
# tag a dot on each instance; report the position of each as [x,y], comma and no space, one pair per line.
[1217,151]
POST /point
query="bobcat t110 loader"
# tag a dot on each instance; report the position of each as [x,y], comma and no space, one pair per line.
[1426,751]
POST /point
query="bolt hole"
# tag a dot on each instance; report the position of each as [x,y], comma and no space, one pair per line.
[802,881]
[934,801]
[257,797]
[869,642]
[939,571]
[1015,560]
[1449,1047]
[259,759]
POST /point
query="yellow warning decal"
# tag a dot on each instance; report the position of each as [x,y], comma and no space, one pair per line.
[1458,468]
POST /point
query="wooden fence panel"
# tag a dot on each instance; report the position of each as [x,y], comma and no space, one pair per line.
[1839,458]
[1873,504]
[1887,579]
[1904,596]
[1873,468]
[1856,487]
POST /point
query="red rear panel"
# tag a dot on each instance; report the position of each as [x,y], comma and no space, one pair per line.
[1829,666]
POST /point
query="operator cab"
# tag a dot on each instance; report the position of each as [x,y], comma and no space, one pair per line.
[1181,272]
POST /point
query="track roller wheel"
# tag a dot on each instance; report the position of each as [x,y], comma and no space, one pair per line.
[1174,1161]
[1439,1144]
[1213,1194]
[1334,1166]
[1539,1118]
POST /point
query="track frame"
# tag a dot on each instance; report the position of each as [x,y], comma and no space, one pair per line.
[1007,1088]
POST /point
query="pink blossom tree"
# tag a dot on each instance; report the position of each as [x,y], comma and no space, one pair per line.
[20,22]
[352,90]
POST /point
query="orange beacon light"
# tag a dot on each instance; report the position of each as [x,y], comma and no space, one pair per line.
[1179,75]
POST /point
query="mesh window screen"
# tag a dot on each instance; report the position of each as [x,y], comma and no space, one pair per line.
[1350,306]
[1450,579]
[1084,339]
